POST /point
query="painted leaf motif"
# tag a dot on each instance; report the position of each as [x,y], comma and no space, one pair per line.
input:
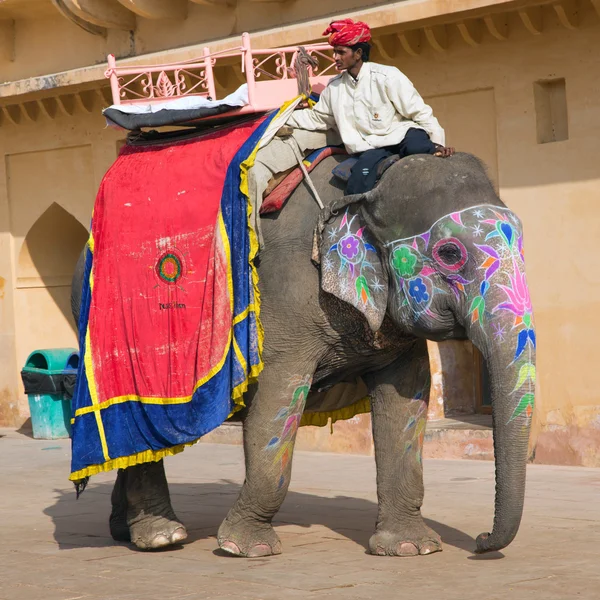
[457,218]
[359,233]
[362,289]
[532,337]
[488,262]
[525,402]
[370,247]
[333,248]
[411,423]
[285,459]
[526,372]
[273,442]
[282,451]
[344,220]
[300,393]
[492,269]
[488,250]
[283,412]
[521,343]
[290,425]
[506,231]
[475,304]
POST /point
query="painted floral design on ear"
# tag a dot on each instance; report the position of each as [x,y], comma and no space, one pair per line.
[351,268]
[353,250]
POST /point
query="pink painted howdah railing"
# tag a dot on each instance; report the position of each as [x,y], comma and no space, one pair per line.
[269,74]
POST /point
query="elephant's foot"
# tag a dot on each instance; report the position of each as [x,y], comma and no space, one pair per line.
[150,532]
[406,541]
[151,519]
[250,539]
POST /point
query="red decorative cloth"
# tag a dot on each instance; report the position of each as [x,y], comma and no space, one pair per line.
[347,32]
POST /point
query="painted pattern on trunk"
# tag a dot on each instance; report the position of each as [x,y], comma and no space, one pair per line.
[282,446]
[495,290]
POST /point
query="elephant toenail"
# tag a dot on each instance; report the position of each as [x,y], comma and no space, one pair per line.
[407,549]
[178,535]
[430,548]
[231,548]
[260,550]
[159,541]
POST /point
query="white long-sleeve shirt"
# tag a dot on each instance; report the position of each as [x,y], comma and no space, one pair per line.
[373,111]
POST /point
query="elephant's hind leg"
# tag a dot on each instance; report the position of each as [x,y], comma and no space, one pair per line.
[399,396]
[269,434]
[150,517]
[119,530]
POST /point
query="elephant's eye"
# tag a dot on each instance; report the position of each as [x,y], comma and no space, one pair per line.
[450,254]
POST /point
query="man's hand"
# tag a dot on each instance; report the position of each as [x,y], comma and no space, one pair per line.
[285,131]
[443,151]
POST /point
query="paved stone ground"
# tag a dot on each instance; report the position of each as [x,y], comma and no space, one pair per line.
[56,548]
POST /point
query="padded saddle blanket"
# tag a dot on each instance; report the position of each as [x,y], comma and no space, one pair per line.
[169,329]
[275,200]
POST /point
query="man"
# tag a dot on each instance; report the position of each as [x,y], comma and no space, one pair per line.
[375,108]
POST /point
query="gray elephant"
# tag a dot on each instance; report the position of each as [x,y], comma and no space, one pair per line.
[430,254]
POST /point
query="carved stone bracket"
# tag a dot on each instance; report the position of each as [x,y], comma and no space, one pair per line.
[497,25]
[84,102]
[470,31]
[108,14]
[437,37]
[387,46]
[411,41]
[532,19]
[567,14]
[157,9]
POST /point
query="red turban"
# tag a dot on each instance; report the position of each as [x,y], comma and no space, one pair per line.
[347,32]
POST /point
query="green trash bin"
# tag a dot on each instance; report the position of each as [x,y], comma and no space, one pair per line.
[43,378]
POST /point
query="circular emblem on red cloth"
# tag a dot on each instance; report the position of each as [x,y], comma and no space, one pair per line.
[170,267]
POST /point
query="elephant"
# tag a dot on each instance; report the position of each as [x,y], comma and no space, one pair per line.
[431,253]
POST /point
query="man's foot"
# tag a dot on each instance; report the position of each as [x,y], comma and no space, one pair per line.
[443,152]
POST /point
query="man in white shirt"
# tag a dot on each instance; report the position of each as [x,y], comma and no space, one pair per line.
[376,109]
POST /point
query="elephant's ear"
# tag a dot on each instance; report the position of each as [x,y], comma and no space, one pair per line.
[351,268]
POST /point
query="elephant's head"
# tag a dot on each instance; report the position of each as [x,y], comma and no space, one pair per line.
[440,255]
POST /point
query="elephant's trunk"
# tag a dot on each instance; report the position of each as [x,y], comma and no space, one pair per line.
[507,340]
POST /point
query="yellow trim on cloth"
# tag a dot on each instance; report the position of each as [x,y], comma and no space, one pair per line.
[129,461]
[320,419]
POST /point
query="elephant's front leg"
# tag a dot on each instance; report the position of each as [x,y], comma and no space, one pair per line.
[399,396]
[269,435]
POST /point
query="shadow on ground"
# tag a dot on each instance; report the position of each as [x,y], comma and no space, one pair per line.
[203,506]
[26,429]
